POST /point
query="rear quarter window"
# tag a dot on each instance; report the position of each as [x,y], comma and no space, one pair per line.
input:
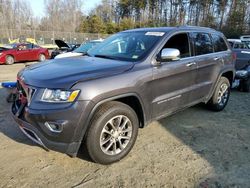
[219,43]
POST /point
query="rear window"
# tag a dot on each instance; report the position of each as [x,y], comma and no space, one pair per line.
[202,43]
[219,43]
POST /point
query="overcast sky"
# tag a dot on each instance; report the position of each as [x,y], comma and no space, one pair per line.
[38,6]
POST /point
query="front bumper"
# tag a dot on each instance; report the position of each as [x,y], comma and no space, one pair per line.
[2,59]
[26,129]
[32,124]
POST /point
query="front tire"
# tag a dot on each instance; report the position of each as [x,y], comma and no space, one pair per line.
[9,60]
[220,96]
[112,133]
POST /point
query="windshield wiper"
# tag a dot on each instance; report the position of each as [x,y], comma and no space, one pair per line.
[105,56]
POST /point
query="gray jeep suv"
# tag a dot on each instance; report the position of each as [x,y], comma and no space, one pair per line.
[131,79]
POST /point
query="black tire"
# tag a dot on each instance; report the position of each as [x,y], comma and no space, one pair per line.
[42,57]
[246,85]
[220,96]
[9,60]
[97,136]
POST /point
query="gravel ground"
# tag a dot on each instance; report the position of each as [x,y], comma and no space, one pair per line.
[193,148]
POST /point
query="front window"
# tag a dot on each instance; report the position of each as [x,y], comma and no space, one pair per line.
[127,46]
[180,42]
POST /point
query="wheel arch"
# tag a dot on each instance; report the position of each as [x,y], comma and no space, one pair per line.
[130,99]
[229,75]
[41,53]
[11,56]
[136,105]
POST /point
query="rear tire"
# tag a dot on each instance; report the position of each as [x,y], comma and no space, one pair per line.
[112,133]
[220,96]
[42,57]
[246,85]
[9,60]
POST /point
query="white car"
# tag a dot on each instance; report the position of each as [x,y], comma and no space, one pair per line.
[80,50]
[245,38]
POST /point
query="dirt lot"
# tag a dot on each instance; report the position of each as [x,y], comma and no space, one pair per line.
[194,148]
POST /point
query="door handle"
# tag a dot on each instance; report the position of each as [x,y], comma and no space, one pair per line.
[190,64]
[216,58]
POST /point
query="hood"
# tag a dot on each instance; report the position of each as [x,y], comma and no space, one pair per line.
[61,44]
[68,54]
[64,73]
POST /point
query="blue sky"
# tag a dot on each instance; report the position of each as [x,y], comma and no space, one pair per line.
[38,6]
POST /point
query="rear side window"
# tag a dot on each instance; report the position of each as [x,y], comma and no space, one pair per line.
[202,43]
[219,43]
[29,46]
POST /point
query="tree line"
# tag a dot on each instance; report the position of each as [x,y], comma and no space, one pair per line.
[229,16]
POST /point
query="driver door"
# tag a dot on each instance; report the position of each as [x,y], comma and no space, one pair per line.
[173,81]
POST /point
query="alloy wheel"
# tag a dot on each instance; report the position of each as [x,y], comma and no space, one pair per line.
[223,94]
[116,135]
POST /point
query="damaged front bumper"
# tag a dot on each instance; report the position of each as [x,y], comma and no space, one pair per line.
[33,124]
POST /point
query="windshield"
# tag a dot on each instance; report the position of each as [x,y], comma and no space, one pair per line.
[127,46]
[11,46]
[85,47]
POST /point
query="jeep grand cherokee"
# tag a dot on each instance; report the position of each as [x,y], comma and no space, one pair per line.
[131,79]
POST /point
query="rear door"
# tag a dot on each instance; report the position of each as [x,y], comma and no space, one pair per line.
[33,52]
[208,63]
[173,82]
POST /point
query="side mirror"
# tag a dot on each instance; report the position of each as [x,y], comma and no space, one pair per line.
[169,54]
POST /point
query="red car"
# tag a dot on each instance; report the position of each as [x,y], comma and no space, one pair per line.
[23,52]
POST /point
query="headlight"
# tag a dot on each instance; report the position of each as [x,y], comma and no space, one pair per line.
[1,53]
[59,95]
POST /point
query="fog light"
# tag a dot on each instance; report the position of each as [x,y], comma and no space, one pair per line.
[54,126]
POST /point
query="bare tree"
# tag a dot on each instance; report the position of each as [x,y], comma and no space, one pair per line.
[62,15]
